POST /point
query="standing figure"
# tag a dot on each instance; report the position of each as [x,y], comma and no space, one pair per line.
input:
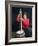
[25,23]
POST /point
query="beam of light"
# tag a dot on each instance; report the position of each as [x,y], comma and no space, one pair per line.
[21,18]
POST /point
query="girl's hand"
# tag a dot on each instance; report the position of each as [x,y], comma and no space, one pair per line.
[21,19]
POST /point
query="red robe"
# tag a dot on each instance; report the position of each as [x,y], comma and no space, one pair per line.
[25,23]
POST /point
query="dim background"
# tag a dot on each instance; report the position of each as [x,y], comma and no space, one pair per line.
[2,25]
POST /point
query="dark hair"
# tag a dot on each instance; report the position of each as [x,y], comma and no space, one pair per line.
[24,13]
[27,14]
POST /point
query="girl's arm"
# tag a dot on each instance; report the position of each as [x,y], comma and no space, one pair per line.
[18,18]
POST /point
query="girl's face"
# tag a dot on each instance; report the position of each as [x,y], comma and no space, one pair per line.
[25,16]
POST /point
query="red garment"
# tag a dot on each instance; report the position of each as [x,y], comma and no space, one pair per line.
[18,19]
[25,23]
